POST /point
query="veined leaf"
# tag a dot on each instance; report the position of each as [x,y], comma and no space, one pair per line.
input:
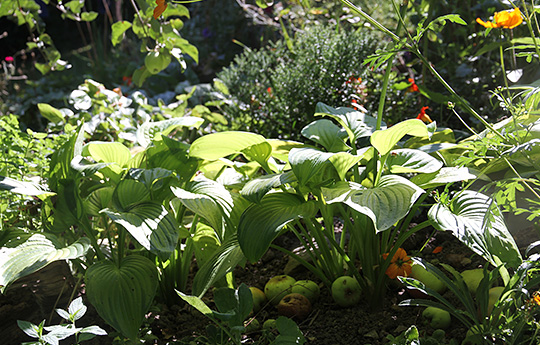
[307,163]
[477,222]
[385,204]
[257,188]
[404,161]
[344,161]
[22,187]
[281,148]
[148,130]
[151,225]
[222,144]
[35,253]
[122,294]
[108,152]
[444,176]
[326,133]
[357,123]
[261,223]
[50,113]
[223,261]
[385,140]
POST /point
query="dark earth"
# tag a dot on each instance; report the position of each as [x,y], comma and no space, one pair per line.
[35,297]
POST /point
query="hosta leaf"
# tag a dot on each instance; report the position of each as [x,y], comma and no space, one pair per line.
[257,188]
[403,161]
[151,225]
[281,148]
[385,204]
[444,176]
[128,193]
[223,261]
[35,253]
[259,153]
[222,144]
[148,130]
[208,199]
[357,123]
[326,133]
[343,161]
[122,294]
[108,152]
[307,163]
[385,140]
[261,223]
[22,187]
[477,222]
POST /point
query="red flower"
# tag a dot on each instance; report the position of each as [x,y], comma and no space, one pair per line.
[423,116]
[160,8]
[400,265]
[127,80]
[9,59]
[437,250]
[413,87]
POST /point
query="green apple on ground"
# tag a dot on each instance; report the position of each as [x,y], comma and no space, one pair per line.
[472,278]
[431,281]
[294,305]
[438,318]
[259,298]
[308,288]
[269,324]
[277,287]
[346,291]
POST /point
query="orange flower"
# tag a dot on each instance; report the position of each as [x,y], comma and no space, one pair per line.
[400,265]
[504,19]
[437,250]
[413,87]
[160,8]
[536,298]
[423,116]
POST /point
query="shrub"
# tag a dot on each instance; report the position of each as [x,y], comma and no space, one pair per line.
[273,91]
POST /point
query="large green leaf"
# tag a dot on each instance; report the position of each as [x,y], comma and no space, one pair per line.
[108,152]
[33,254]
[307,163]
[222,144]
[444,176]
[123,294]
[385,204]
[22,187]
[261,223]
[223,261]
[357,124]
[343,161]
[118,30]
[148,130]
[476,221]
[259,153]
[281,148]
[151,225]
[129,192]
[257,188]
[50,113]
[403,161]
[208,199]
[385,140]
[326,133]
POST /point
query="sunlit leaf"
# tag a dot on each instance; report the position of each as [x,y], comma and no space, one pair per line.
[385,140]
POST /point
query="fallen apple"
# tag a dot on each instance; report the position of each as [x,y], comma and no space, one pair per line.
[472,278]
[294,305]
[346,291]
[259,298]
[277,287]
[438,318]
[431,281]
[308,288]
[269,324]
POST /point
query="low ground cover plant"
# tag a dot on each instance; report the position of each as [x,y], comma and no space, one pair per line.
[136,196]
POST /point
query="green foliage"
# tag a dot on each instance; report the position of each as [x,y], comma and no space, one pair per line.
[75,311]
[259,82]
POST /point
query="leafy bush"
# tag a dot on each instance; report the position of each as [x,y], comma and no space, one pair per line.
[273,91]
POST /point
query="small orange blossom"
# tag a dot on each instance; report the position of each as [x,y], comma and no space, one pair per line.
[413,87]
[504,19]
[400,265]
[423,116]
[160,8]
